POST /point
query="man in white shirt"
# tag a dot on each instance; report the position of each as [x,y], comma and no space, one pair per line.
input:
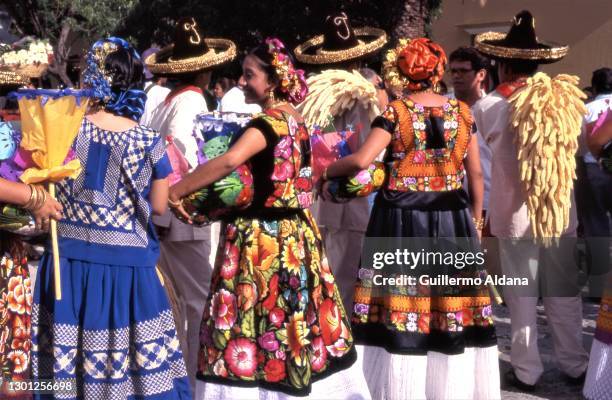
[233,101]
[468,70]
[551,272]
[154,88]
[187,252]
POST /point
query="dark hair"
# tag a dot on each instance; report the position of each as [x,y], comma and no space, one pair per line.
[471,55]
[602,80]
[521,67]
[225,83]
[126,70]
[209,98]
[265,62]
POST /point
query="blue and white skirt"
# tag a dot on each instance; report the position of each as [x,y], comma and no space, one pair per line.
[111,336]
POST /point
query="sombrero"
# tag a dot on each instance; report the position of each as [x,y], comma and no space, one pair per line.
[8,78]
[520,43]
[190,52]
[340,42]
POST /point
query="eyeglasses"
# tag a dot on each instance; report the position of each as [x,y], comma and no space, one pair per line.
[460,71]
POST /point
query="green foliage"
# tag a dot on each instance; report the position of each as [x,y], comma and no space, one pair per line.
[92,18]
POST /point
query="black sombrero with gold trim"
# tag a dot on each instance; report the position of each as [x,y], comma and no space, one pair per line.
[340,42]
[190,52]
[520,43]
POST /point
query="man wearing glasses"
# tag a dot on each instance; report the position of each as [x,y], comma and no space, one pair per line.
[468,70]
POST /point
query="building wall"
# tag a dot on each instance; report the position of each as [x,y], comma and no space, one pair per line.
[584,25]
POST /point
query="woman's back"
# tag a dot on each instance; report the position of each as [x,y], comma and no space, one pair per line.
[430,141]
[107,204]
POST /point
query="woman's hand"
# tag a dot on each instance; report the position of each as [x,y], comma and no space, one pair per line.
[50,209]
[176,204]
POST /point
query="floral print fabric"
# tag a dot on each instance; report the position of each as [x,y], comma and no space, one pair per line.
[418,164]
[15,318]
[274,317]
[292,174]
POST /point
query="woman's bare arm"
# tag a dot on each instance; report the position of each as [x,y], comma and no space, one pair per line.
[375,143]
[474,176]
[597,141]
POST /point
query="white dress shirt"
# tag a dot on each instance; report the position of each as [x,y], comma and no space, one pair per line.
[156,94]
[507,201]
[177,118]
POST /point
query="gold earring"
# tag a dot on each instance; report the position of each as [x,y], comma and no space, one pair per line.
[271,97]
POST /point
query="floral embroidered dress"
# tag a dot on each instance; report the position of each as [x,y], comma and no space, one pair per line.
[409,328]
[112,335]
[15,285]
[15,313]
[274,318]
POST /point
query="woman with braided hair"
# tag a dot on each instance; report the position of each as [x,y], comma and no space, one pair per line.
[112,335]
[274,325]
[422,341]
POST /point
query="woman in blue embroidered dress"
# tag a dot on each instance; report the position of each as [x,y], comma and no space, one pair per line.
[112,334]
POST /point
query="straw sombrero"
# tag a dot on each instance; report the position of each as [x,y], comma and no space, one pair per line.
[520,43]
[190,52]
[340,42]
[9,78]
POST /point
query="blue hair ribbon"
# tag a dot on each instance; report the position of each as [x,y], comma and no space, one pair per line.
[127,103]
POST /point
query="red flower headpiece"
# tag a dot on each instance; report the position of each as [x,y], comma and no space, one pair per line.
[419,61]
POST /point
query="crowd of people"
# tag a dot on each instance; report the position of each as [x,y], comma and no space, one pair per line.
[276,301]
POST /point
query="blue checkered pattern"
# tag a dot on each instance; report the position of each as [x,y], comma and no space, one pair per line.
[117,213]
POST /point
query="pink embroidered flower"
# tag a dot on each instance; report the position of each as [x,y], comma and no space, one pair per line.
[280,354]
[223,309]
[363,177]
[283,171]
[268,342]
[319,354]
[219,369]
[305,199]
[283,148]
[230,263]
[339,348]
[241,357]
